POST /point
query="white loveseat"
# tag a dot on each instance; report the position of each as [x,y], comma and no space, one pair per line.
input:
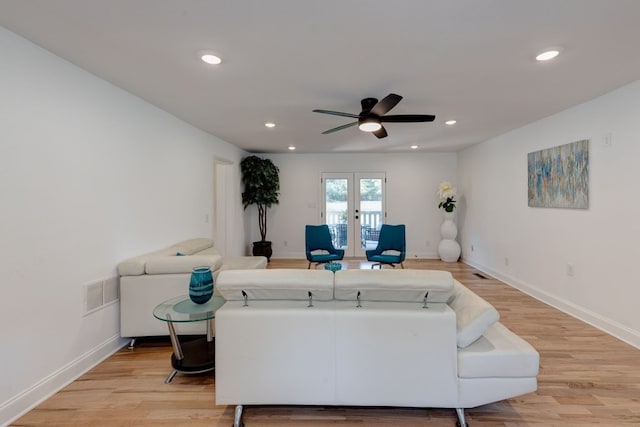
[149,279]
[399,338]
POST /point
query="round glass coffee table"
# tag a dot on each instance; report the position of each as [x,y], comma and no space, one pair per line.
[198,355]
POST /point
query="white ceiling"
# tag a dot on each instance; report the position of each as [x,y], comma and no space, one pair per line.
[469,60]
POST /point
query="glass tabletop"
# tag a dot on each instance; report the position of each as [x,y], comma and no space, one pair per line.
[182,309]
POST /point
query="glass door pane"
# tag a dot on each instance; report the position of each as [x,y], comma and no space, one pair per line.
[370,208]
[337,193]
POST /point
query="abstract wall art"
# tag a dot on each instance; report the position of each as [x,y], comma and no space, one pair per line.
[559,176]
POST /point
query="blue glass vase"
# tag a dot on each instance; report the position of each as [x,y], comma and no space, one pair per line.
[201,285]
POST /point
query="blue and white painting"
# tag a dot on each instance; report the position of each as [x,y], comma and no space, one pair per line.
[559,176]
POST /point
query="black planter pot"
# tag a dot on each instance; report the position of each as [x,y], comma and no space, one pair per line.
[262,248]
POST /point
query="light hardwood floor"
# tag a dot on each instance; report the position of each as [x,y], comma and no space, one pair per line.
[586,377]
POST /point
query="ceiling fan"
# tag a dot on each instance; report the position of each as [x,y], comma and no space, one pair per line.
[373,113]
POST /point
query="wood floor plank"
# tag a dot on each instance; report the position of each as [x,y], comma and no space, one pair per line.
[586,378]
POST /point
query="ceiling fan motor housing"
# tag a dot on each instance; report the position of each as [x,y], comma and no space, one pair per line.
[365,115]
[367,104]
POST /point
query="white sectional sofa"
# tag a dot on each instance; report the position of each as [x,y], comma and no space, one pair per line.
[149,279]
[399,338]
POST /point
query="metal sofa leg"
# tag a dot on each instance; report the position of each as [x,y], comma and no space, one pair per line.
[132,344]
[461,421]
[237,418]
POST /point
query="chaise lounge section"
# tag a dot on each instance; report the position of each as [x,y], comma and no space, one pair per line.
[398,338]
[149,279]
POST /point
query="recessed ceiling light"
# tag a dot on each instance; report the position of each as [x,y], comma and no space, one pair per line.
[450,122]
[547,55]
[210,58]
[413,147]
[270,124]
[291,147]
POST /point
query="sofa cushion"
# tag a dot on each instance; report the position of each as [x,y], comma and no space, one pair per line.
[135,266]
[474,315]
[276,284]
[181,264]
[393,285]
[499,353]
[191,246]
[319,252]
[244,263]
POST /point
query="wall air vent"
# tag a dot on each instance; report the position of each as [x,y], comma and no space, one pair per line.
[100,293]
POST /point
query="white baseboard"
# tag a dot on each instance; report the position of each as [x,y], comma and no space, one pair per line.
[22,403]
[611,327]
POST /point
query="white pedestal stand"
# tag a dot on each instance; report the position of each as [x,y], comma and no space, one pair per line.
[448,248]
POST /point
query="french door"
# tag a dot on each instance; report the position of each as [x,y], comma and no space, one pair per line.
[353,207]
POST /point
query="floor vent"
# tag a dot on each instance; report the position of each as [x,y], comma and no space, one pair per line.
[480,275]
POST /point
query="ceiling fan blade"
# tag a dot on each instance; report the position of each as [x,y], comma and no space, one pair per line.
[385,104]
[348,125]
[408,118]
[380,133]
[337,113]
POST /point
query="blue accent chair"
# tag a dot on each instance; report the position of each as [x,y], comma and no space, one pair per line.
[392,238]
[318,237]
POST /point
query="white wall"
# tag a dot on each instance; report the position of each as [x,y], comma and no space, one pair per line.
[601,243]
[412,183]
[89,175]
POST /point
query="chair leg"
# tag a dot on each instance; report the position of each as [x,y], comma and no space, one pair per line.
[402,265]
[309,266]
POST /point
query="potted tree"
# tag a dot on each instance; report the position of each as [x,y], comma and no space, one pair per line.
[261,186]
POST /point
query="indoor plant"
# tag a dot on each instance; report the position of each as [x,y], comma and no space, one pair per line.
[261,186]
[447,194]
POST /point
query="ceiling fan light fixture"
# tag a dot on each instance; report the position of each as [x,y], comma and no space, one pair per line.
[369,125]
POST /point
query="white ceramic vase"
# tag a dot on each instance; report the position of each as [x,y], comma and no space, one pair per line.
[448,248]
